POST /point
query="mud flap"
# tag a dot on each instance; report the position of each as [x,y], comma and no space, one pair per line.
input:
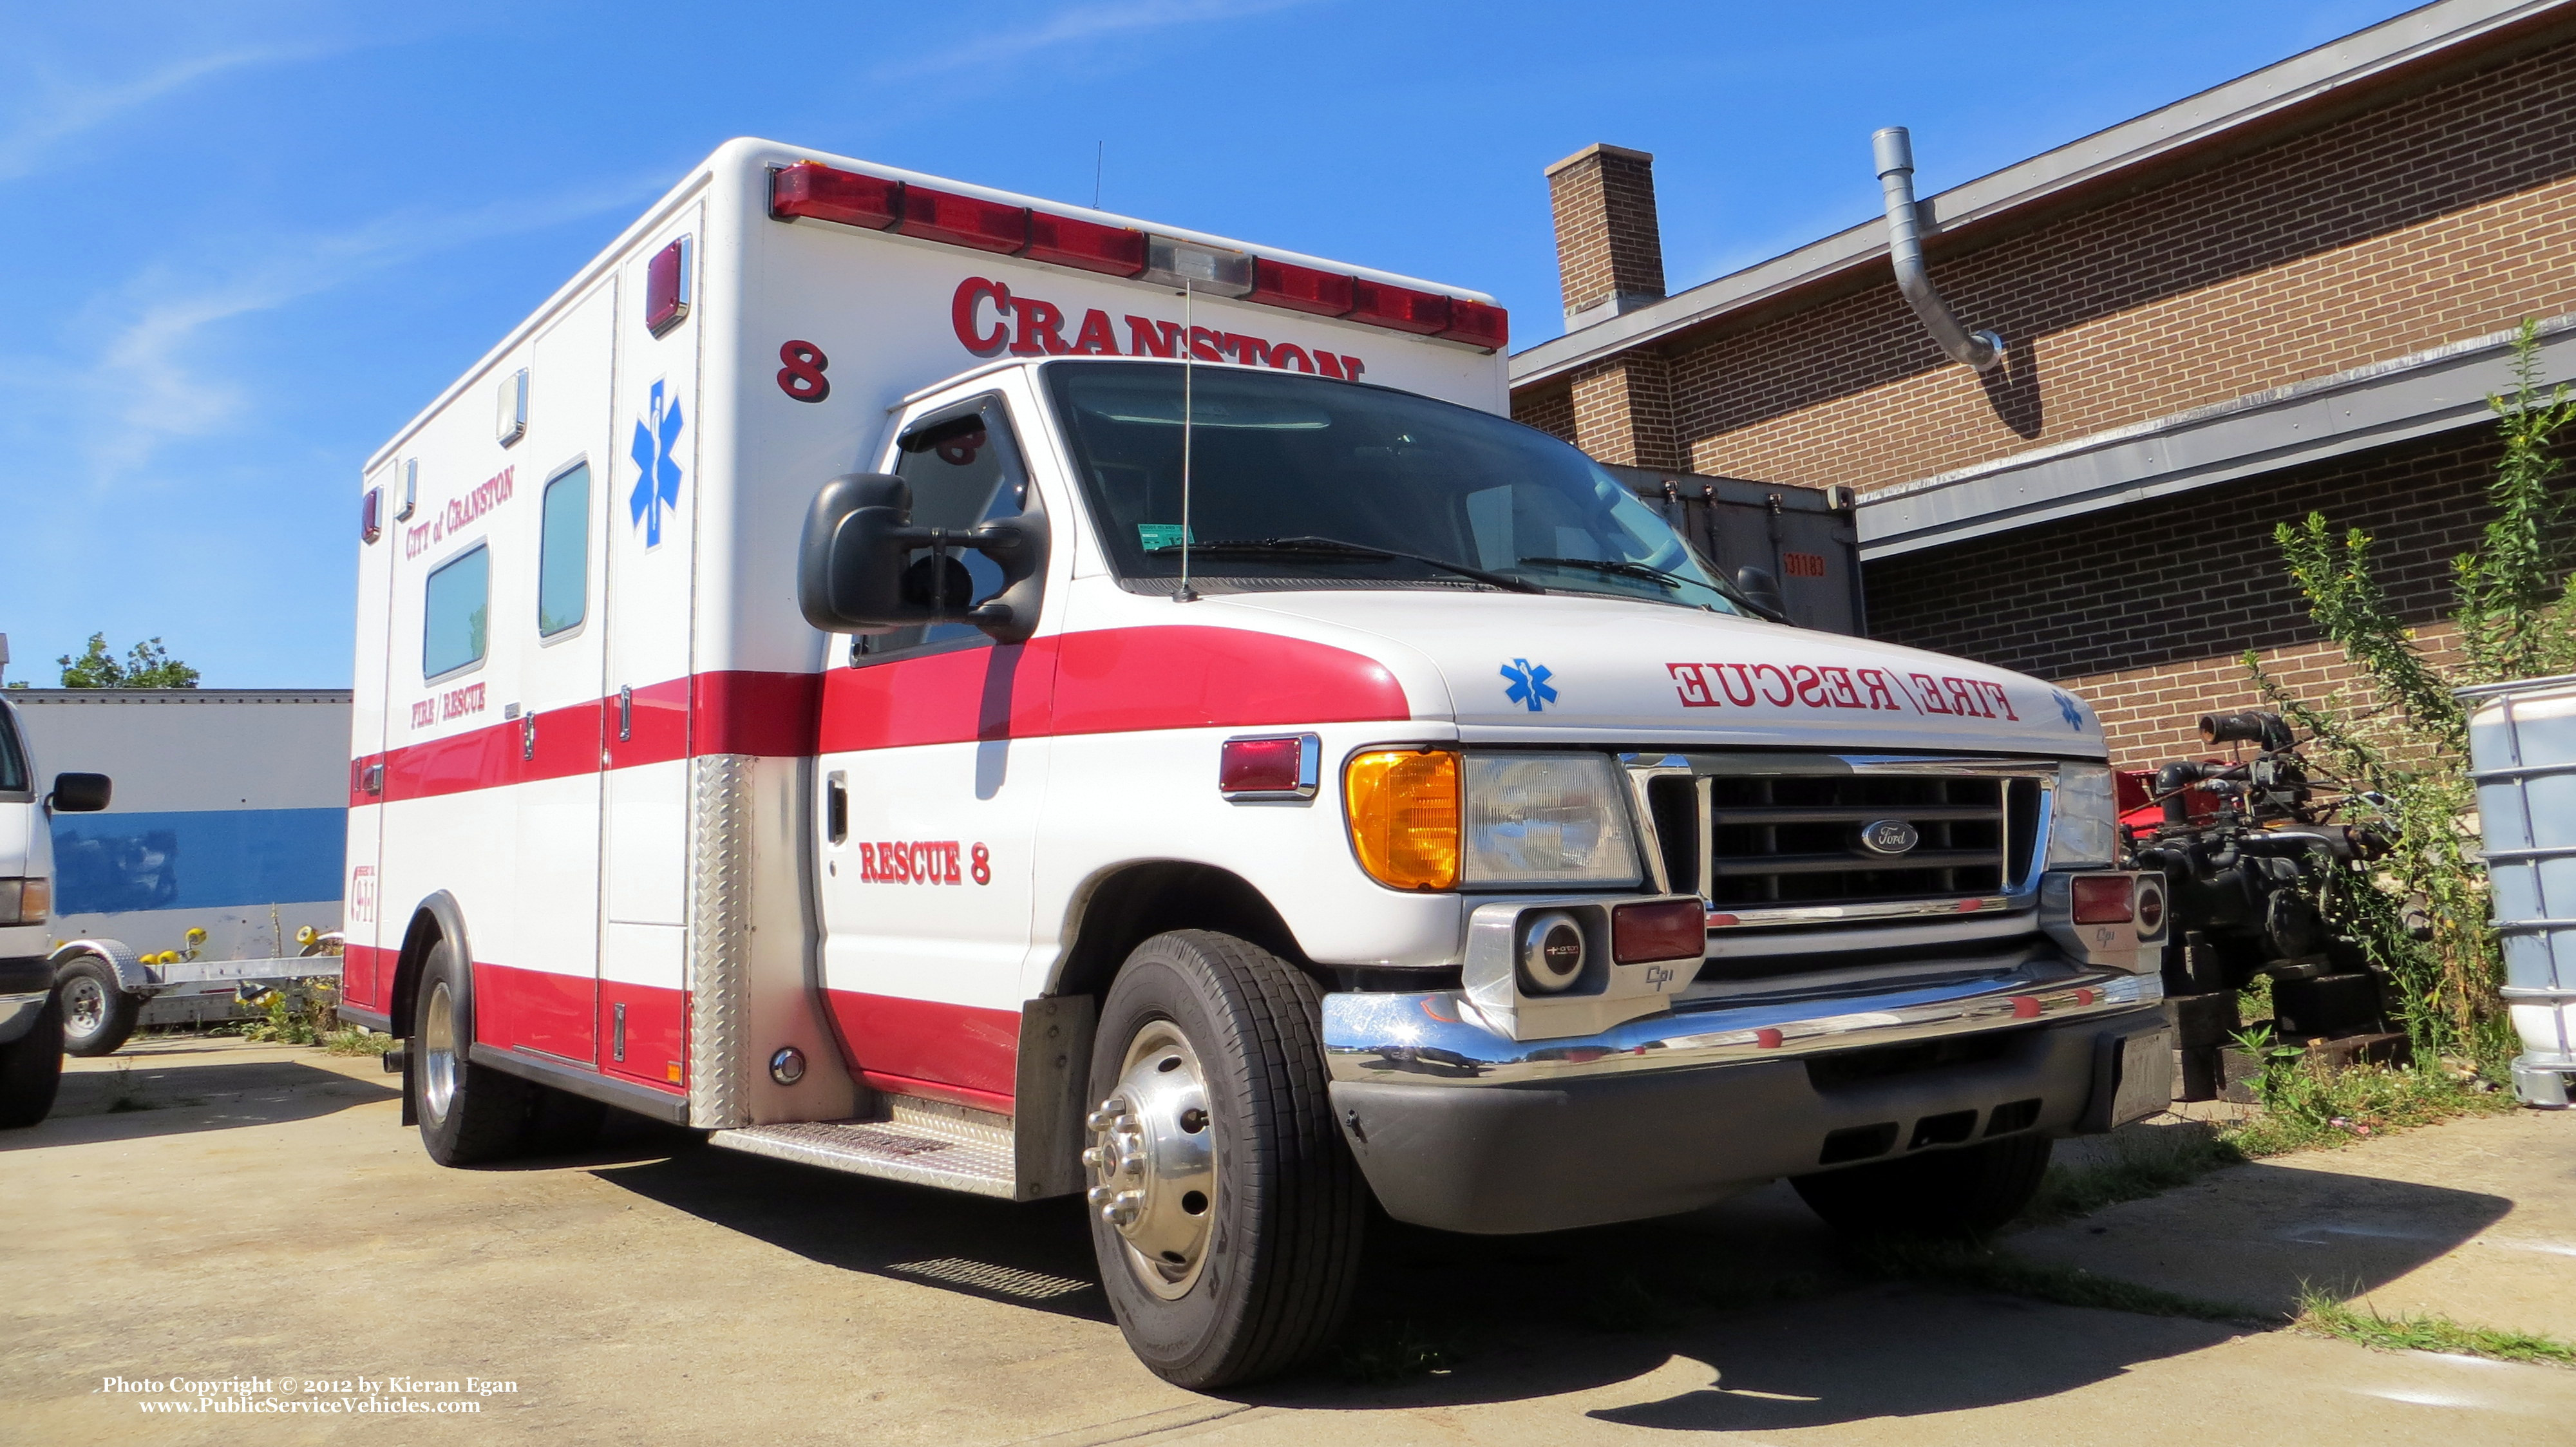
[2132,1079]
[411,1112]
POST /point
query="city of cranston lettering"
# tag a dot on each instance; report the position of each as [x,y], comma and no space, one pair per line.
[1744,685]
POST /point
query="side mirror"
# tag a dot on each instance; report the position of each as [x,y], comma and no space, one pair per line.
[1762,591]
[856,573]
[79,793]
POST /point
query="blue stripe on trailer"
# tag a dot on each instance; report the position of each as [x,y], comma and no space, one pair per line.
[210,859]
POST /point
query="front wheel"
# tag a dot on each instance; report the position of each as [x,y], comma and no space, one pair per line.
[1225,1209]
[1966,1192]
[98,1016]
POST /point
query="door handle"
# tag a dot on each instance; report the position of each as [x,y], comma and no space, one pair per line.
[527,735]
[836,809]
[625,714]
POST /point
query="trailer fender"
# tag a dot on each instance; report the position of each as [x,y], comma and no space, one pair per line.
[132,976]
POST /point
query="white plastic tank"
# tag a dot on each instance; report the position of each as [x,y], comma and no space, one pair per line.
[2522,748]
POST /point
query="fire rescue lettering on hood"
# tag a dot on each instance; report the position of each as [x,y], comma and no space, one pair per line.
[1716,685]
[983,312]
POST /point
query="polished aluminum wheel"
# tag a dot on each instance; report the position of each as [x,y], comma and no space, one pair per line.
[1153,1160]
[84,1006]
[438,1053]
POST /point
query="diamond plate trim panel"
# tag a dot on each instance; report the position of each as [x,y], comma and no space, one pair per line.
[890,1150]
[719,957]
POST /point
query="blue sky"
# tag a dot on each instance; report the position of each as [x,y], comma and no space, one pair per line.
[245,242]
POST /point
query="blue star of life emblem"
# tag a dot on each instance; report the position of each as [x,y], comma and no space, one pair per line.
[1529,684]
[657,464]
[2072,707]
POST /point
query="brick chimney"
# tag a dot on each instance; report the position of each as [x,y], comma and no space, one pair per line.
[1609,252]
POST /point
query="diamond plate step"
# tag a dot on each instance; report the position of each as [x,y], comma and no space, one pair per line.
[928,1143]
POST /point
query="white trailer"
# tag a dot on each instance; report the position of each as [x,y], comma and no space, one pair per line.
[934,684]
[222,848]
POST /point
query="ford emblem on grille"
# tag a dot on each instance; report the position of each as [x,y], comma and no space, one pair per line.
[1889,836]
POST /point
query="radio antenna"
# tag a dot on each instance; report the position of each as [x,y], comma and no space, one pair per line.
[1185,595]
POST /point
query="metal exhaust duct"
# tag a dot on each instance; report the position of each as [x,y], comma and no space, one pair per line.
[1895,150]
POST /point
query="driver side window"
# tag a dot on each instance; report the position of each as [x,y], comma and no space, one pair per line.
[965,470]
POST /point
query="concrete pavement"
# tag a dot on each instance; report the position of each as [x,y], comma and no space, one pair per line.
[265,1217]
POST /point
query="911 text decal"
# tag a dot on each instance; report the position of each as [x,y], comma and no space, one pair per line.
[1742,685]
[922,861]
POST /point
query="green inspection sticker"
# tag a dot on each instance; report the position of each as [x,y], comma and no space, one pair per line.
[1163,535]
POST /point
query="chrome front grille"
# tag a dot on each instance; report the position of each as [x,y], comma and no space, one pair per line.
[1772,841]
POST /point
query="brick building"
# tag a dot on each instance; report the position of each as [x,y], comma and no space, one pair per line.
[2290,292]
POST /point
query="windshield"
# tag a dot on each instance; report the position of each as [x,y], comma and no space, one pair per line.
[1283,467]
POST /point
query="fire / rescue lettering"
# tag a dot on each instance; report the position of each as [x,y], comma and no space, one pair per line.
[919,861]
[989,320]
[455,703]
[1741,685]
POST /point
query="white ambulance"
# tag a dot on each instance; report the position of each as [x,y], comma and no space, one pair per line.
[941,685]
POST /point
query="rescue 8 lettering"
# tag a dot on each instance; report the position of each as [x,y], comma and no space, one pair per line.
[922,861]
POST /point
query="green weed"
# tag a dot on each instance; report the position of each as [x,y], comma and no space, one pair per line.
[2137,1163]
[1971,1267]
[2323,1315]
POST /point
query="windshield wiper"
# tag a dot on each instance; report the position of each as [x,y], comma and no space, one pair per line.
[1315,547]
[1652,574]
[1623,569]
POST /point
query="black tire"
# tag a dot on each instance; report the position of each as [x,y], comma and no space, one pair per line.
[31,1070]
[98,1016]
[1967,1192]
[469,1114]
[1280,1251]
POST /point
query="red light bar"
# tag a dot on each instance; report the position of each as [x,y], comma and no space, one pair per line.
[1400,308]
[1301,288]
[371,510]
[963,220]
[1673,930]
[1478,325]
[2103,898]
[1065,241]
[810,188]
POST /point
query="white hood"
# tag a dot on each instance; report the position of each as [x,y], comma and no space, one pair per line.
[1521,666]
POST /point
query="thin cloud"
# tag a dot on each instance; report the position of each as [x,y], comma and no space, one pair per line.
[58,112]
[145,391]
[1080,23]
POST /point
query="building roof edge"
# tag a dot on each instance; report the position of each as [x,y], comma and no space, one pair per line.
[2232,106]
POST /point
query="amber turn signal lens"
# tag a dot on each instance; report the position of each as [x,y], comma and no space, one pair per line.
[1404,816]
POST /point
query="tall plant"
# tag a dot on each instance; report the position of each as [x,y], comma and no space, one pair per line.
[2400,741]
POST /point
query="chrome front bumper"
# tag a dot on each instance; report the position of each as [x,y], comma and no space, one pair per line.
[1438,1038]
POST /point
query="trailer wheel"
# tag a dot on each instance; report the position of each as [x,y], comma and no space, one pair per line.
[98,1016]
[31,1069]
[468,1113]
[1225,1209]
[1954,1193]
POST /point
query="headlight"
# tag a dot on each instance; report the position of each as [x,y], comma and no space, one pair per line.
[1546,818]
[25,901]
[2084,822]
[1433,820]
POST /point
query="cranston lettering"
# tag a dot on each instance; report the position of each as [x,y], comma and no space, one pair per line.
[422,536]
[914,861]
[1743,685]
[990,321]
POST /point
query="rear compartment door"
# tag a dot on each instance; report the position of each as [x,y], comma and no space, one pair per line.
[652,526]
[563,682]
